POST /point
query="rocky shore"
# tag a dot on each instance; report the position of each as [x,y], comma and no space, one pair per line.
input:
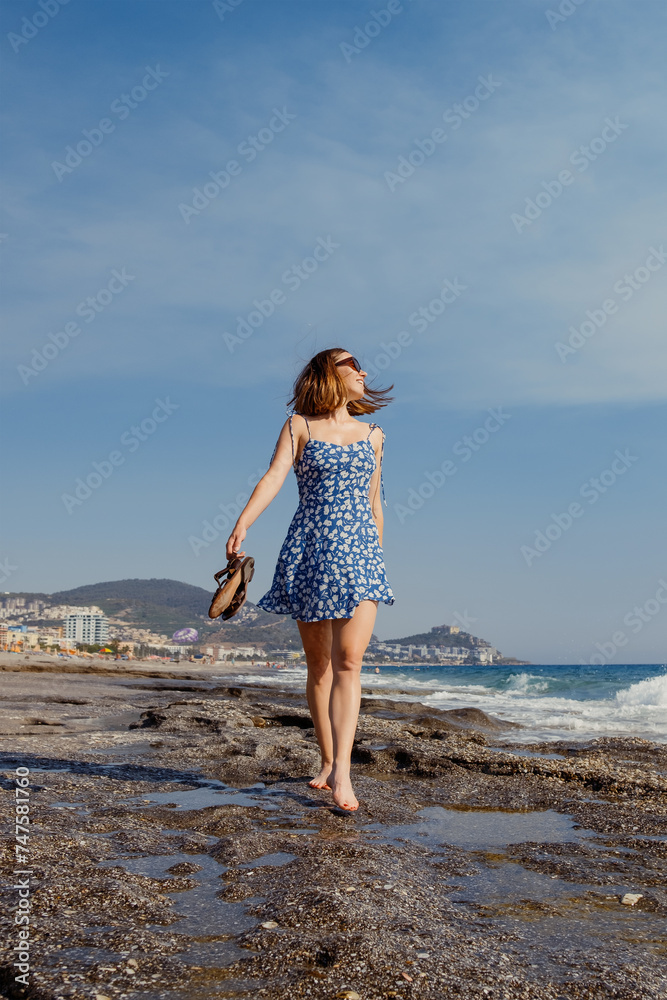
[179,853]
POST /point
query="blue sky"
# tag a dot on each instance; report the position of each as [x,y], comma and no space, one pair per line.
[532,151]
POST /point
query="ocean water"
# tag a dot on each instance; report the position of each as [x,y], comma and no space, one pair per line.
[552,702]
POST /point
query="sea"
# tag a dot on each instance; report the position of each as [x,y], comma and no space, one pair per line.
[551,702]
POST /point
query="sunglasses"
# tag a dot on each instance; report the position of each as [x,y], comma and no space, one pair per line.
[352,362]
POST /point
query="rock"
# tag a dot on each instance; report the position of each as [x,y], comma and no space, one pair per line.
[631,898]
[269,925]
[451,720]
[348,995]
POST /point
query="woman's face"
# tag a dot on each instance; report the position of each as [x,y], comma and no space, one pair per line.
[354,380]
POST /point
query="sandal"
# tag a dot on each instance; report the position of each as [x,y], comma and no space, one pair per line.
[230,596]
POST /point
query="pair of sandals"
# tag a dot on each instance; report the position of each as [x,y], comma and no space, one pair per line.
[231,594]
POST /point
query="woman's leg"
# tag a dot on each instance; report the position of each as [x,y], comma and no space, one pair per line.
[350,639]
[316,639]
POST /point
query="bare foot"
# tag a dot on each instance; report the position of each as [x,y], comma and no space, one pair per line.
[343,794]
[321,780]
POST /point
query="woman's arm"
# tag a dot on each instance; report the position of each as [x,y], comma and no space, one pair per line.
[374,487]
[266,490]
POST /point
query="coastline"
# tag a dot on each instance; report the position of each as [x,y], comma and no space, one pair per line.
[474,866]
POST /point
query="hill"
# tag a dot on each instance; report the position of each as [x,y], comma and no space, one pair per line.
[163,606]
[437,637]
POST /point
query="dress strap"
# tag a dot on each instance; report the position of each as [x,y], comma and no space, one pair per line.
[291,413]
[381,456]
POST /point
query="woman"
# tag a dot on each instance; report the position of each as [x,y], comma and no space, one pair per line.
[330,573]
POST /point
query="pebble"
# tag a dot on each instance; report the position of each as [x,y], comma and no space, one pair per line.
[101,996]
[348,995]
[631,898]
[269,924]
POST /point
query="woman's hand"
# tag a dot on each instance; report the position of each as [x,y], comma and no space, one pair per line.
[234,541]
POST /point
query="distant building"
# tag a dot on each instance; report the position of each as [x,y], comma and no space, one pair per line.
[230,650]
[484,654]
[88,628]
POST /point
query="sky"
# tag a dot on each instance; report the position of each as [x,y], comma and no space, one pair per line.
[468,196]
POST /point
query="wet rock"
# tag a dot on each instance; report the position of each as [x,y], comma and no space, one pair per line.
[364,905]
[447,720]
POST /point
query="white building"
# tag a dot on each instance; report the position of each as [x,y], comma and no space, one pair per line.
[88,628]
[484,654]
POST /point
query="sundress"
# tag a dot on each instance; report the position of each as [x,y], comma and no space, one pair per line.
[331,558]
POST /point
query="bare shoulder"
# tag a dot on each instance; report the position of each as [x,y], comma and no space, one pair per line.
[297,423]
[376,436]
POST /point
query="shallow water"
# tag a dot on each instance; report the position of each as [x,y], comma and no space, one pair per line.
[202,912]
[484,829]
[203,796]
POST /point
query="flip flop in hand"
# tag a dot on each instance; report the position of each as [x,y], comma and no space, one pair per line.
[231,594]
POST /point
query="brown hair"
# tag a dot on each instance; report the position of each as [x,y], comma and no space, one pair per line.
[319,388]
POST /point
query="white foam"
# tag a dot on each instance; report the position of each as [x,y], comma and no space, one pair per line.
[556,717]
[639,710]
[526,683]
[650,693]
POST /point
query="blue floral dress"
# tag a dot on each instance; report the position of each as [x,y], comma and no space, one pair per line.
[331,558]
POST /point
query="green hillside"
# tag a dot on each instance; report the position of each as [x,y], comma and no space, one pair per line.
[159,605]
[164,606]
[436,638]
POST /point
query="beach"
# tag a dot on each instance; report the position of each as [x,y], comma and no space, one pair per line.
[177,851]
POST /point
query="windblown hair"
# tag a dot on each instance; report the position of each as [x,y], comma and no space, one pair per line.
[319,388]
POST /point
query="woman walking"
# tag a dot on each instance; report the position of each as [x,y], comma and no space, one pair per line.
[330,573]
